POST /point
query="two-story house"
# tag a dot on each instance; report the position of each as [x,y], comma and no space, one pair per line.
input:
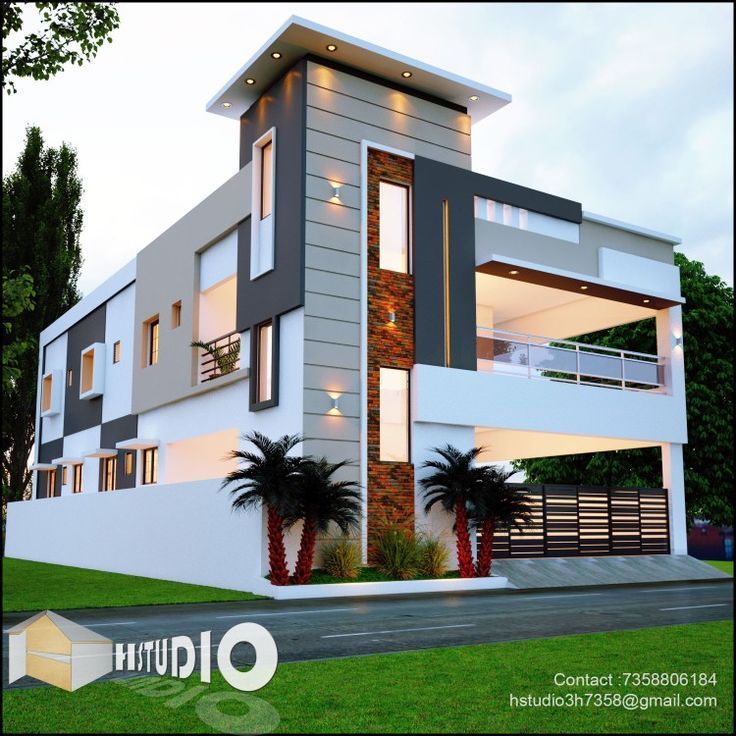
[357,283]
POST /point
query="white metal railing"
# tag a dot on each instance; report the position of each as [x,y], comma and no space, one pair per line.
[534,356]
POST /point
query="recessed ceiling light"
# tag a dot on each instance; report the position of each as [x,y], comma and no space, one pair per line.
[513,273]
[646,301]
[250,80]
[474,98]
[331,47]
[406,75]
[227,104]
[276,55]
[583,288]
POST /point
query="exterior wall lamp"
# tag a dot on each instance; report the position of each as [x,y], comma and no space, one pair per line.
[336,187]
[392,317]
[678,341]
[334,402]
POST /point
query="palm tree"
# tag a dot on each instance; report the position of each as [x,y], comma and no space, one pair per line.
[266,478]
[495,503]
[225,360]
[319,500]
[453,484]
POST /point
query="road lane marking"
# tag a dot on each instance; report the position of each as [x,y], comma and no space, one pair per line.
[685,608]
[284,613]
[397,631]
[113,623]
[692,588]
[557,595]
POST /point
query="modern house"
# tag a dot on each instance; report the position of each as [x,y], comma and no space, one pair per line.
[358,283]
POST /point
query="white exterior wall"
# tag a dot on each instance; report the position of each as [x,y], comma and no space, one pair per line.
[53,427]
[119,325]
[76,445]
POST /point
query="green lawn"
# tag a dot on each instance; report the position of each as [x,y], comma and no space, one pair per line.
[725,566]
[36,586]
[461,690]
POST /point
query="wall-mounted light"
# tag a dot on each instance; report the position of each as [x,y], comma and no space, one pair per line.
[331,47]
[227,104]
[646,301]
[678,341]
[276,55]
[334,402]
[514,272]
[474,98]
[250,80]
[406,74]
[583,288]
[392,317]
[336,192]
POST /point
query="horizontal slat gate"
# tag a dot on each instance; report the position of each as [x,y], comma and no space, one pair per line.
[570,521]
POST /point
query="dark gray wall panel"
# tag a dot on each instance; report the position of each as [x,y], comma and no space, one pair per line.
[117,430]
[280,290]
[46,453]
[82,414]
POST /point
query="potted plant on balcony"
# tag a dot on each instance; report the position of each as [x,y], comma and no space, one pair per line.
[224,358]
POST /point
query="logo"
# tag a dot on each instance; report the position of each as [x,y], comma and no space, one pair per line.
[57,651]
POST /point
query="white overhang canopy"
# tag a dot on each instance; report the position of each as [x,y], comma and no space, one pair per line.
[68,461]
[102,452]
[136,444]
[298,37]
[43,466]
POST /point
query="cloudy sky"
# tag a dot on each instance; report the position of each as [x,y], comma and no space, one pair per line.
[626,108]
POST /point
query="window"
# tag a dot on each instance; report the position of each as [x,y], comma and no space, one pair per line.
[394,413]
[50,483]
[46,393]
[116,351]
[64,476]
[92,371]
[109,472]
[128,463]
[263,204]
[69,377]
[265,361]
[176,315]
[152,341]
[393,227]
[150,465]
[88,371]
[77,479]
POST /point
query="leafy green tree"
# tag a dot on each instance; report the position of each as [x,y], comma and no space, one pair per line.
[69,33]
[42,223]
[708,457]
[18,293]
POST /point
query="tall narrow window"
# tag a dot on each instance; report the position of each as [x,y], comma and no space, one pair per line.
[265,361]
[152,342]
[50,484]
[77,479]
[64,476]
[69,377]
[393,227]
[46,388]
[128,463]
[176,315]
[394,412]
[150,466]
[266,180]
[116,350]
[109,473]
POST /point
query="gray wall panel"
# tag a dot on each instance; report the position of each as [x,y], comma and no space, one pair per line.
[335,261]
[328,167]
[332,330]
[336,238]
[334,284]
[331,355]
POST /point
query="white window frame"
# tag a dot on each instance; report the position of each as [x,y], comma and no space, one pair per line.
[97,379]
[52,379]
[262,242]
[409,224]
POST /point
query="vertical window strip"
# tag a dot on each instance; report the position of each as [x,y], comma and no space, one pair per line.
[446,275]
[265,361]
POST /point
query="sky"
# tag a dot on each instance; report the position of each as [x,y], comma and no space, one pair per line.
[627,108]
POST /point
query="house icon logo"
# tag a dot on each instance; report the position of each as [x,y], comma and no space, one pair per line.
[55,650]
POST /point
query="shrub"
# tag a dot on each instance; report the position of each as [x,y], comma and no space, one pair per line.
[397,552]
[433,556]
[342,559]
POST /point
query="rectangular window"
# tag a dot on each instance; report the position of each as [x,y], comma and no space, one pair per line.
[394,413]
[128,463]
[88,371]
[50,483]
[393,227]
[176,315]
[64,476]
[152,341]
[69,377]
[116,351]
[77,479]
[150,465]
[46,392]
[109,473]
[265,361]
[266,180]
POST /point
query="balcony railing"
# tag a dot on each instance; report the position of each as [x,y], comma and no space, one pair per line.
[533,356]
[221,357]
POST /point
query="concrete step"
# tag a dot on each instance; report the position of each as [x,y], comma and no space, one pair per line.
[554,572]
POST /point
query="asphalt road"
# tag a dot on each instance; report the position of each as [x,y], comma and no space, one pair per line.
[308,630]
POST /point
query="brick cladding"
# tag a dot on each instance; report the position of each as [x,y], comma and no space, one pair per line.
[390,345]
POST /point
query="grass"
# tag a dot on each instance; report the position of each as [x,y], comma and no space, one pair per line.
[460,690]
[366,575]
[36,586]
[725,566]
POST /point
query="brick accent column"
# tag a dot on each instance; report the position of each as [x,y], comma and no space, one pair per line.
[390,345]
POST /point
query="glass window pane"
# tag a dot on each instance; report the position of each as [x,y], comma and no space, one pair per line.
[393,231]
[394,413]
[266,179]
[265,361]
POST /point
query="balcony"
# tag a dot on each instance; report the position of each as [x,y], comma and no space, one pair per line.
[535,357]
[219,357]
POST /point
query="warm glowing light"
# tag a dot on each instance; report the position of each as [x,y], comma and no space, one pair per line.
[406,75]
[335,402]
[646,301]
[392,317]
[583,288]
[250,80]
[331,47]
[227,104]
[514,272]
[474,98]
[276,55]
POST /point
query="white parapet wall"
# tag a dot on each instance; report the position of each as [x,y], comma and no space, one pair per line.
[185,532]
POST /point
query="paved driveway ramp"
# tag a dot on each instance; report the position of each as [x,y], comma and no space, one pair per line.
[555,572]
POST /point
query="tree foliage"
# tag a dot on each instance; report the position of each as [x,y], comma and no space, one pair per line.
[69,33]
[42,223]
[708,456]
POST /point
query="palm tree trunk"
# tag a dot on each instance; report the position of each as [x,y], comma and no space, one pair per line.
[276,549]
[305,558]
[485,556]
[464,551]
